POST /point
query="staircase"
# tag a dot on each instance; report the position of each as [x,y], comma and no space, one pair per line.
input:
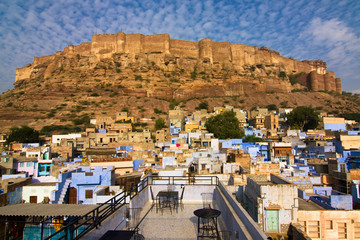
[63,191]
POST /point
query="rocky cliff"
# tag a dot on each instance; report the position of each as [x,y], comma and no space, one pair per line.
[158,66]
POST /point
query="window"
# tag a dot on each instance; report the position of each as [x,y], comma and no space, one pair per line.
[314,229]
[203,166]
[329,224]
[88,194]
[342,231]
[29,164]
[21,164]
[89,174]
[81,146]
[357,230]
[303,224]
[33,199]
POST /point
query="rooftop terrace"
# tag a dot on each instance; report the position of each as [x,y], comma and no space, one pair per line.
[233,222]
[135,211]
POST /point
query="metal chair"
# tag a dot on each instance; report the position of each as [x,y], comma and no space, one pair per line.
[207,199]
[179,200]
[154,200]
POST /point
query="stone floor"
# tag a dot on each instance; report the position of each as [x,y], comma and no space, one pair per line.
[168,224]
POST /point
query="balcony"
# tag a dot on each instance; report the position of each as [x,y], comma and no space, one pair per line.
[135,214]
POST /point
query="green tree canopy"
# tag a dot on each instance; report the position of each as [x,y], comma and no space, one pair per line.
[252,138]
[272,107]
[303,117]
[224,125]
[23,134]
[202,105]
[160,123]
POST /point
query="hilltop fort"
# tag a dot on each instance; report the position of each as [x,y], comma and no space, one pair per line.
[224,69]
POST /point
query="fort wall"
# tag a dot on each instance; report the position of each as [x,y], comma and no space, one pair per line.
[159,47]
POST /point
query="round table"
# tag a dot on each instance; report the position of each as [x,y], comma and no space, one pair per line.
[207,213]
[207,222]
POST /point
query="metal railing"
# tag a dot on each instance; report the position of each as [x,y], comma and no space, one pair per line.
[80,226]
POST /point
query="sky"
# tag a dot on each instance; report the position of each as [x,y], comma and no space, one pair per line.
[303,29]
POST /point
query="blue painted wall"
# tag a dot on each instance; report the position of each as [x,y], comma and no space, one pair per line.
[335,126]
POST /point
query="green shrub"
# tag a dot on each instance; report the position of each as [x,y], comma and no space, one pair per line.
[157,111]
[138,78]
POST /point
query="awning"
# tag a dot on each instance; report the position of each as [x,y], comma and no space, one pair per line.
[46,210]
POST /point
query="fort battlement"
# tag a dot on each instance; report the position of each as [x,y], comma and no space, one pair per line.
[206,52]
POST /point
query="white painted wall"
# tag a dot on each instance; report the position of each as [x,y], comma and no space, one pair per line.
[39,191]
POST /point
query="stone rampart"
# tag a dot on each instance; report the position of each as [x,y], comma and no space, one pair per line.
[205,54]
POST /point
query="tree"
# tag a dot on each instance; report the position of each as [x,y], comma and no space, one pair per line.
[224,125]
[303,117]
[282,74]
[23,134]
[160,124]
[272,107]
[252,138]
[173,104]
[202,105]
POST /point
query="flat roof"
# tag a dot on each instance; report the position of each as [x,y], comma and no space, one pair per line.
[42,184]
[43,210]
[308,205]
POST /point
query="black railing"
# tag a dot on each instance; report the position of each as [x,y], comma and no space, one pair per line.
[82,225]
[188,180]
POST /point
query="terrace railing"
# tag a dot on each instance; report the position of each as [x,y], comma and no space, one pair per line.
[80,226]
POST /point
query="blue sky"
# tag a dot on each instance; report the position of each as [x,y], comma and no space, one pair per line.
[304,29]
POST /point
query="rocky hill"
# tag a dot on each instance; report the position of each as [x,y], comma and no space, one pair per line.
[141,73]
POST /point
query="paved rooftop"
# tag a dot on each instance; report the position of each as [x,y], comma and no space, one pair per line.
[308,205]
[179,225]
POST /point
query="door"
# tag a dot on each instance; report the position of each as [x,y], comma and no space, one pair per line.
[33,199]
[72,195]
[272,220]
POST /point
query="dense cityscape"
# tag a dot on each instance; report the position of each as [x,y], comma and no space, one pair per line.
[296,183]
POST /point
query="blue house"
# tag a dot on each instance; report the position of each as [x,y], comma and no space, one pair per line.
[334,124]
[352,160]
[329,199]
[88,181]
[257,149]
[251,131]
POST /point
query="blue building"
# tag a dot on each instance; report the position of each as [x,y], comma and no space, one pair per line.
[88,181]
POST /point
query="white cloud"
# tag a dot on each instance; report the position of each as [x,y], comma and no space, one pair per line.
[31,28]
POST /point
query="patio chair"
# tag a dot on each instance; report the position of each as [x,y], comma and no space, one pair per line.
[154,200]
[207,199]
[179,200]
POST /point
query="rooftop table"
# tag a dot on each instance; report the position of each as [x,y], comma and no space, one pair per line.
[207,223]
[167,199]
